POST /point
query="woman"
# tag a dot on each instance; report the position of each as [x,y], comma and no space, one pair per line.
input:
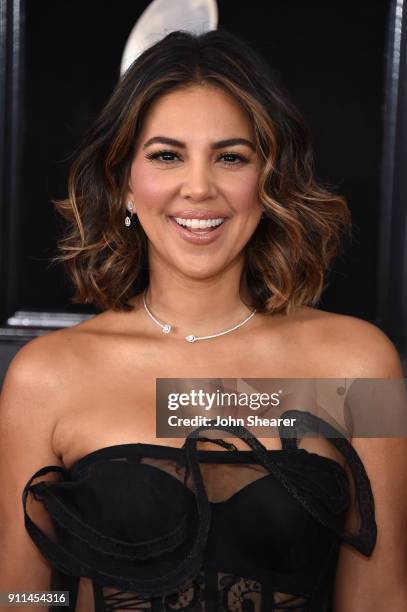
[193,211]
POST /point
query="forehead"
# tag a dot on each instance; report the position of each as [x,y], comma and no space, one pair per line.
[203,109]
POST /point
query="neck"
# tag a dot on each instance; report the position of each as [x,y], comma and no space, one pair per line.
[198,306]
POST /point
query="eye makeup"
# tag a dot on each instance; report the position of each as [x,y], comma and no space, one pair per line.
[237,158]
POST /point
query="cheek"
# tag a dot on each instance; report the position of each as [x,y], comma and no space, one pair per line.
[148,191]
[243,193]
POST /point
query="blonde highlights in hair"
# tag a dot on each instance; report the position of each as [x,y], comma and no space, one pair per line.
[287,257]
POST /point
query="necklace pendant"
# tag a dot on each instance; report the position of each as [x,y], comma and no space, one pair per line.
[166,327]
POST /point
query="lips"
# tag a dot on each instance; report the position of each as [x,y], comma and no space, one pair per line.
[198,236]
[200,214]
[199,224]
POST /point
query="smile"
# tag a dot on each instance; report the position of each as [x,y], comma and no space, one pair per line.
[198,231]
[199,223]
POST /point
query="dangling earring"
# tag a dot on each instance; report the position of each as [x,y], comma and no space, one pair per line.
[127,220]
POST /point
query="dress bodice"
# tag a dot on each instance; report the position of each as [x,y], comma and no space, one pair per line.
[162,528]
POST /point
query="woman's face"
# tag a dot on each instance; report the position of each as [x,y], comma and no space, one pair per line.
[195,165]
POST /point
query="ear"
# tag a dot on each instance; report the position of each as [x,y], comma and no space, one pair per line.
[129,196]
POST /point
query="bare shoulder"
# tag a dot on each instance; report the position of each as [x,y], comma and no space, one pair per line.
[30,387]
[359,346]
[38,378]
[48,379]
[41,360]
[54,361]
[28,409]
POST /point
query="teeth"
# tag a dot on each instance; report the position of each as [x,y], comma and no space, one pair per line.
[199,223]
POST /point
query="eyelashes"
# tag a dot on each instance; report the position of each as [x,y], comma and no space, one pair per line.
[168,157]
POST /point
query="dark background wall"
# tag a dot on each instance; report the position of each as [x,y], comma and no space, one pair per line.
[331,56]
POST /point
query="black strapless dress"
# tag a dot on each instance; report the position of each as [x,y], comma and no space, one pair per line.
[161,528]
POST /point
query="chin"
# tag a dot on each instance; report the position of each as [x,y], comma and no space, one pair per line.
[200,272]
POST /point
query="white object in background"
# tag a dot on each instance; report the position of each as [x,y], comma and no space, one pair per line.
[164,16]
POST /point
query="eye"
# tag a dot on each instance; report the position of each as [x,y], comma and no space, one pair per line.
[167,157]
[164,156]
[233,159]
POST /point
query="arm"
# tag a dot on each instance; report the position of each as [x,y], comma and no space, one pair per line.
[380,581]
[27,418]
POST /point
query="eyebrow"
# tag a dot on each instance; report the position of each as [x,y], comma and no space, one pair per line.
[220,144]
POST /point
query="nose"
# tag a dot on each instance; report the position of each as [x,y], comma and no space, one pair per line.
[198,184]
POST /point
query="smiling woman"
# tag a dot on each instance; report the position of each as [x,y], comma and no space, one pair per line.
[215,174]
[193,214]
[212,128]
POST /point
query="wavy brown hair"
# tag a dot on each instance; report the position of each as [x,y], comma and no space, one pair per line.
[288,255]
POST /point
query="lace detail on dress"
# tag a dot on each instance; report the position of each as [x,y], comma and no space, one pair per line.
[239,594]
[190,599]
[233,594]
